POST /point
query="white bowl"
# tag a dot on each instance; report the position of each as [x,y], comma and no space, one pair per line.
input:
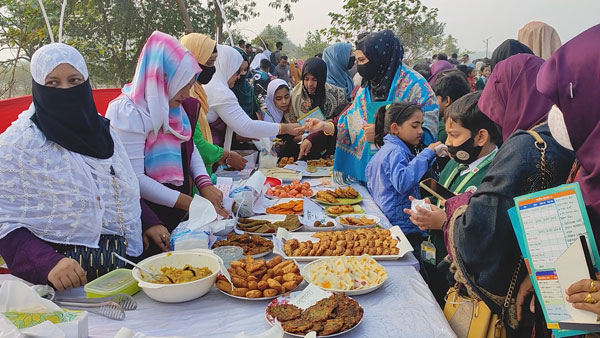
[346,226]
[176,293]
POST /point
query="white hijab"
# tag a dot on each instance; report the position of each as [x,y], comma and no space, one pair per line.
[257,59]
[275,114]
[48,57]
[58,195]
[217,90]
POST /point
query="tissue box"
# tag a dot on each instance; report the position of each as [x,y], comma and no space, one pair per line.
[73,323]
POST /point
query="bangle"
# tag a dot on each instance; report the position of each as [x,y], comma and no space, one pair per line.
[279,132]
[332,131]
[228,158]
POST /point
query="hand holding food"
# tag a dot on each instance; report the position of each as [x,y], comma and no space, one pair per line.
[258,278]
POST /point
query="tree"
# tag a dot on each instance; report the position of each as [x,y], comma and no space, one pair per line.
[414,23]
[111,33]
[313,44]
[271,35]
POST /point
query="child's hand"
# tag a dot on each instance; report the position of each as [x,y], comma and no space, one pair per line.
[369,132]
[313,125]
[433,145]
[425,219]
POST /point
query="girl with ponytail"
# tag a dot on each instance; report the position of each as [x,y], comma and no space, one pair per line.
[394,172]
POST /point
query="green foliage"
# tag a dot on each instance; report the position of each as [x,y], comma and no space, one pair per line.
[271,34]
[414,23]
[111,33]
[314,44]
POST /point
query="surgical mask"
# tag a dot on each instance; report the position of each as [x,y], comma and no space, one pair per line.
[558,128]
[206,75]
[351,62]
[368,71]
[465,153]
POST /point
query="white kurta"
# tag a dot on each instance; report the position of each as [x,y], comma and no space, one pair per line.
[65,197]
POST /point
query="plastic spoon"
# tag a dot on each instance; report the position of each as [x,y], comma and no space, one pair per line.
[154,276]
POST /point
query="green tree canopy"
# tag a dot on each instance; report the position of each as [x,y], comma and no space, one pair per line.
[111,33]
[414,23]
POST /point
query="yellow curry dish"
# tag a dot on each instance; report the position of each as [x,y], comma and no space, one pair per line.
[188,273]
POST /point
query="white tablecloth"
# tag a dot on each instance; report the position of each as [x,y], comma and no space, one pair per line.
[402,307]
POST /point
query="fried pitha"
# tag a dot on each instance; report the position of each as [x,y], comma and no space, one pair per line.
[285,312]
[297,326]
[332,326]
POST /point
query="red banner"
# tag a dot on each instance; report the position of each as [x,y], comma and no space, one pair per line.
[11,108]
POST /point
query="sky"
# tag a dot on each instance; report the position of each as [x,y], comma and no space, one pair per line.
[470,21]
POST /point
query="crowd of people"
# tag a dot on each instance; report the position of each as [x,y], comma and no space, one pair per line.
[76,186]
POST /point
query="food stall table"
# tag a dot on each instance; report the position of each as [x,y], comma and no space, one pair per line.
[402,307]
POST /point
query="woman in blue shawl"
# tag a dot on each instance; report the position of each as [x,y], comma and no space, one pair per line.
[339,59]
[385,79]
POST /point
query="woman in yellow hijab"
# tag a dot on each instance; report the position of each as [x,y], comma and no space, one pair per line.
[205,51]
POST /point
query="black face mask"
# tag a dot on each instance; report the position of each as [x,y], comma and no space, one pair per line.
[351,62]
[465,153]
[241,79]
[69,118]
[206,74]
[368,71]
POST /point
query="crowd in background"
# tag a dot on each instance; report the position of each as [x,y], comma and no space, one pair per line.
[193,104]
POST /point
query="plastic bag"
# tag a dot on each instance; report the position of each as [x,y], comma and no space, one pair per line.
[267,157]
[248,198]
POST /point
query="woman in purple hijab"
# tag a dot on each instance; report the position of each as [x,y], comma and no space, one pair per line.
[436,68]
[510,105]
[483,250]
[570,80]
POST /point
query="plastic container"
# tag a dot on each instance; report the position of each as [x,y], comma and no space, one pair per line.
[229,254]
[116,281]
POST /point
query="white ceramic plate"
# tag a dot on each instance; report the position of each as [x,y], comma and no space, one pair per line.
[261,298]
[355,292]
[346,226]
[268,217]
[286,298]
[283,235]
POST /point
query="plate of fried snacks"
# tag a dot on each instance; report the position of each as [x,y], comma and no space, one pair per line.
[266,225]
[257,279]
[294,190]
[285,161]
[381,244]
[339,196]
[287,206]
[323,162]
[337,210]
[355,221]
[316,310]
[350,275]
[253,245]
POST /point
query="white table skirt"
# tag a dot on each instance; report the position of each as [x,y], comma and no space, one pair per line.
[402,307]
